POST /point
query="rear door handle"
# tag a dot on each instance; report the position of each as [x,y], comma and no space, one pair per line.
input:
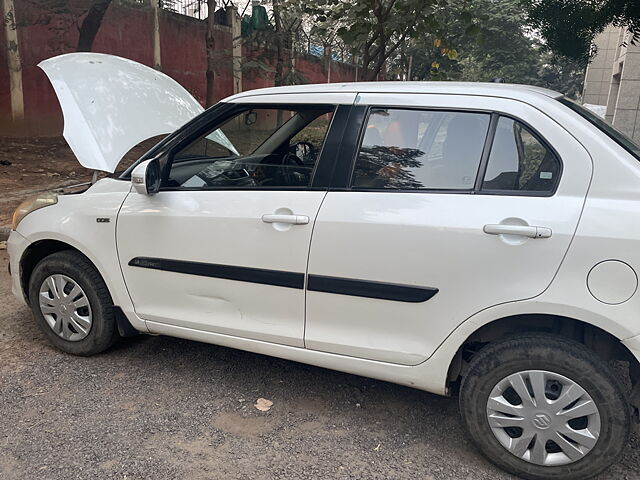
[522,230]
[292,219]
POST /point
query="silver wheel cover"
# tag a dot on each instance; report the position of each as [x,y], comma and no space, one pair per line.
[65,307]
[543,418]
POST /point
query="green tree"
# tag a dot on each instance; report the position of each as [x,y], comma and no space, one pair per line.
[378,29]
[503,49]
[499,44]
[562,74]
[569,27]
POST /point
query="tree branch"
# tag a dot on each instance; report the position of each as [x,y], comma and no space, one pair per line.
[91,24]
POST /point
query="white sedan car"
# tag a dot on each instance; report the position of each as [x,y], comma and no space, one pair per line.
[471,239]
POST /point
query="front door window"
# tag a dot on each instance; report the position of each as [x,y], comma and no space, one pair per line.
[257,148]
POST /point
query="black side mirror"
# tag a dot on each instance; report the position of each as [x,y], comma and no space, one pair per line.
[152,177]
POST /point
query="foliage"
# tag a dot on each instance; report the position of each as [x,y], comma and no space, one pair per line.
[436,55]
[500,45]
[484,40]
[570,26]
[503,48]
[561,74]
[378,29]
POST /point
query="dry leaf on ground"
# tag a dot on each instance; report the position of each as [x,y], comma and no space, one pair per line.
[263,404]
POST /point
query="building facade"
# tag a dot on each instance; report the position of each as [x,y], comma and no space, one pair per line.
[613,81]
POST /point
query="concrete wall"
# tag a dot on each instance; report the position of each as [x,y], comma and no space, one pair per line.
[127,31]
[626,116]
[598,77]
[613,79]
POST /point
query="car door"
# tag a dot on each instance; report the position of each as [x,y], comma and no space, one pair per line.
[223,246]
[454,204]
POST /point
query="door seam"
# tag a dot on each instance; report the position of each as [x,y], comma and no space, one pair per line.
[306,271]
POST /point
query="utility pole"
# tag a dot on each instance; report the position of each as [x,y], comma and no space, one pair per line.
[236,51]
[157,55]
[211,52]
[13,61]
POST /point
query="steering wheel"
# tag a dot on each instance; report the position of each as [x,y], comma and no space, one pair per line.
[292,176]
[303,149]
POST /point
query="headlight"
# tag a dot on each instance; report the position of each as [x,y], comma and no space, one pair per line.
[32,204]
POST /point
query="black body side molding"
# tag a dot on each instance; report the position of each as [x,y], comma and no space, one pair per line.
[370,289]
[277,278]
[315,283]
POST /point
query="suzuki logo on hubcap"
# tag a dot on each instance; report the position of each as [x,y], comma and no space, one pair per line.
[541,420]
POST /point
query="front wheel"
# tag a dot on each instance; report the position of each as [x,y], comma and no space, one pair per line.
[543,407]
[72,304]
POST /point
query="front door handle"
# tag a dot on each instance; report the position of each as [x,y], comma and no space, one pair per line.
[292,219]
[522,230]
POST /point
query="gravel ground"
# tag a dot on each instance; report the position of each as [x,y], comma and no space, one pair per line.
[164,408]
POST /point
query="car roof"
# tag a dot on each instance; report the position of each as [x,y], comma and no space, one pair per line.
[504,90]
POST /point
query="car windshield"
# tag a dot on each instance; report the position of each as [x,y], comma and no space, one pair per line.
[616,135]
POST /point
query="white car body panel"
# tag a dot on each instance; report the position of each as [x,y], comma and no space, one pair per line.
[110,104]
[356,235]
[73,221]
[609,230]
[230,232]
[436,240]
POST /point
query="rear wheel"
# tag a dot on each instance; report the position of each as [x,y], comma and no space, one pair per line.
[543,407]
[72,304]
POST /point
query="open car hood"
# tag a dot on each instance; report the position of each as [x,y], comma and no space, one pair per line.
[110,104]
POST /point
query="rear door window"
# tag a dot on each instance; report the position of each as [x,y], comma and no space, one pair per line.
[420,149]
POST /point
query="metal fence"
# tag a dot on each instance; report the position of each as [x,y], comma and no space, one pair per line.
[191,8]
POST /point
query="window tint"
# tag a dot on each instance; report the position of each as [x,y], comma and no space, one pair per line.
[519,161]
[414,149]
[260,147]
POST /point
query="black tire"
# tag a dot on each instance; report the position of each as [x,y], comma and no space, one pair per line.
[104,330]
[538,351]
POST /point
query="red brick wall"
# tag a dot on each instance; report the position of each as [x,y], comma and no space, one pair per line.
[314,70]
[127,31]
[184,56]
[259,69]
